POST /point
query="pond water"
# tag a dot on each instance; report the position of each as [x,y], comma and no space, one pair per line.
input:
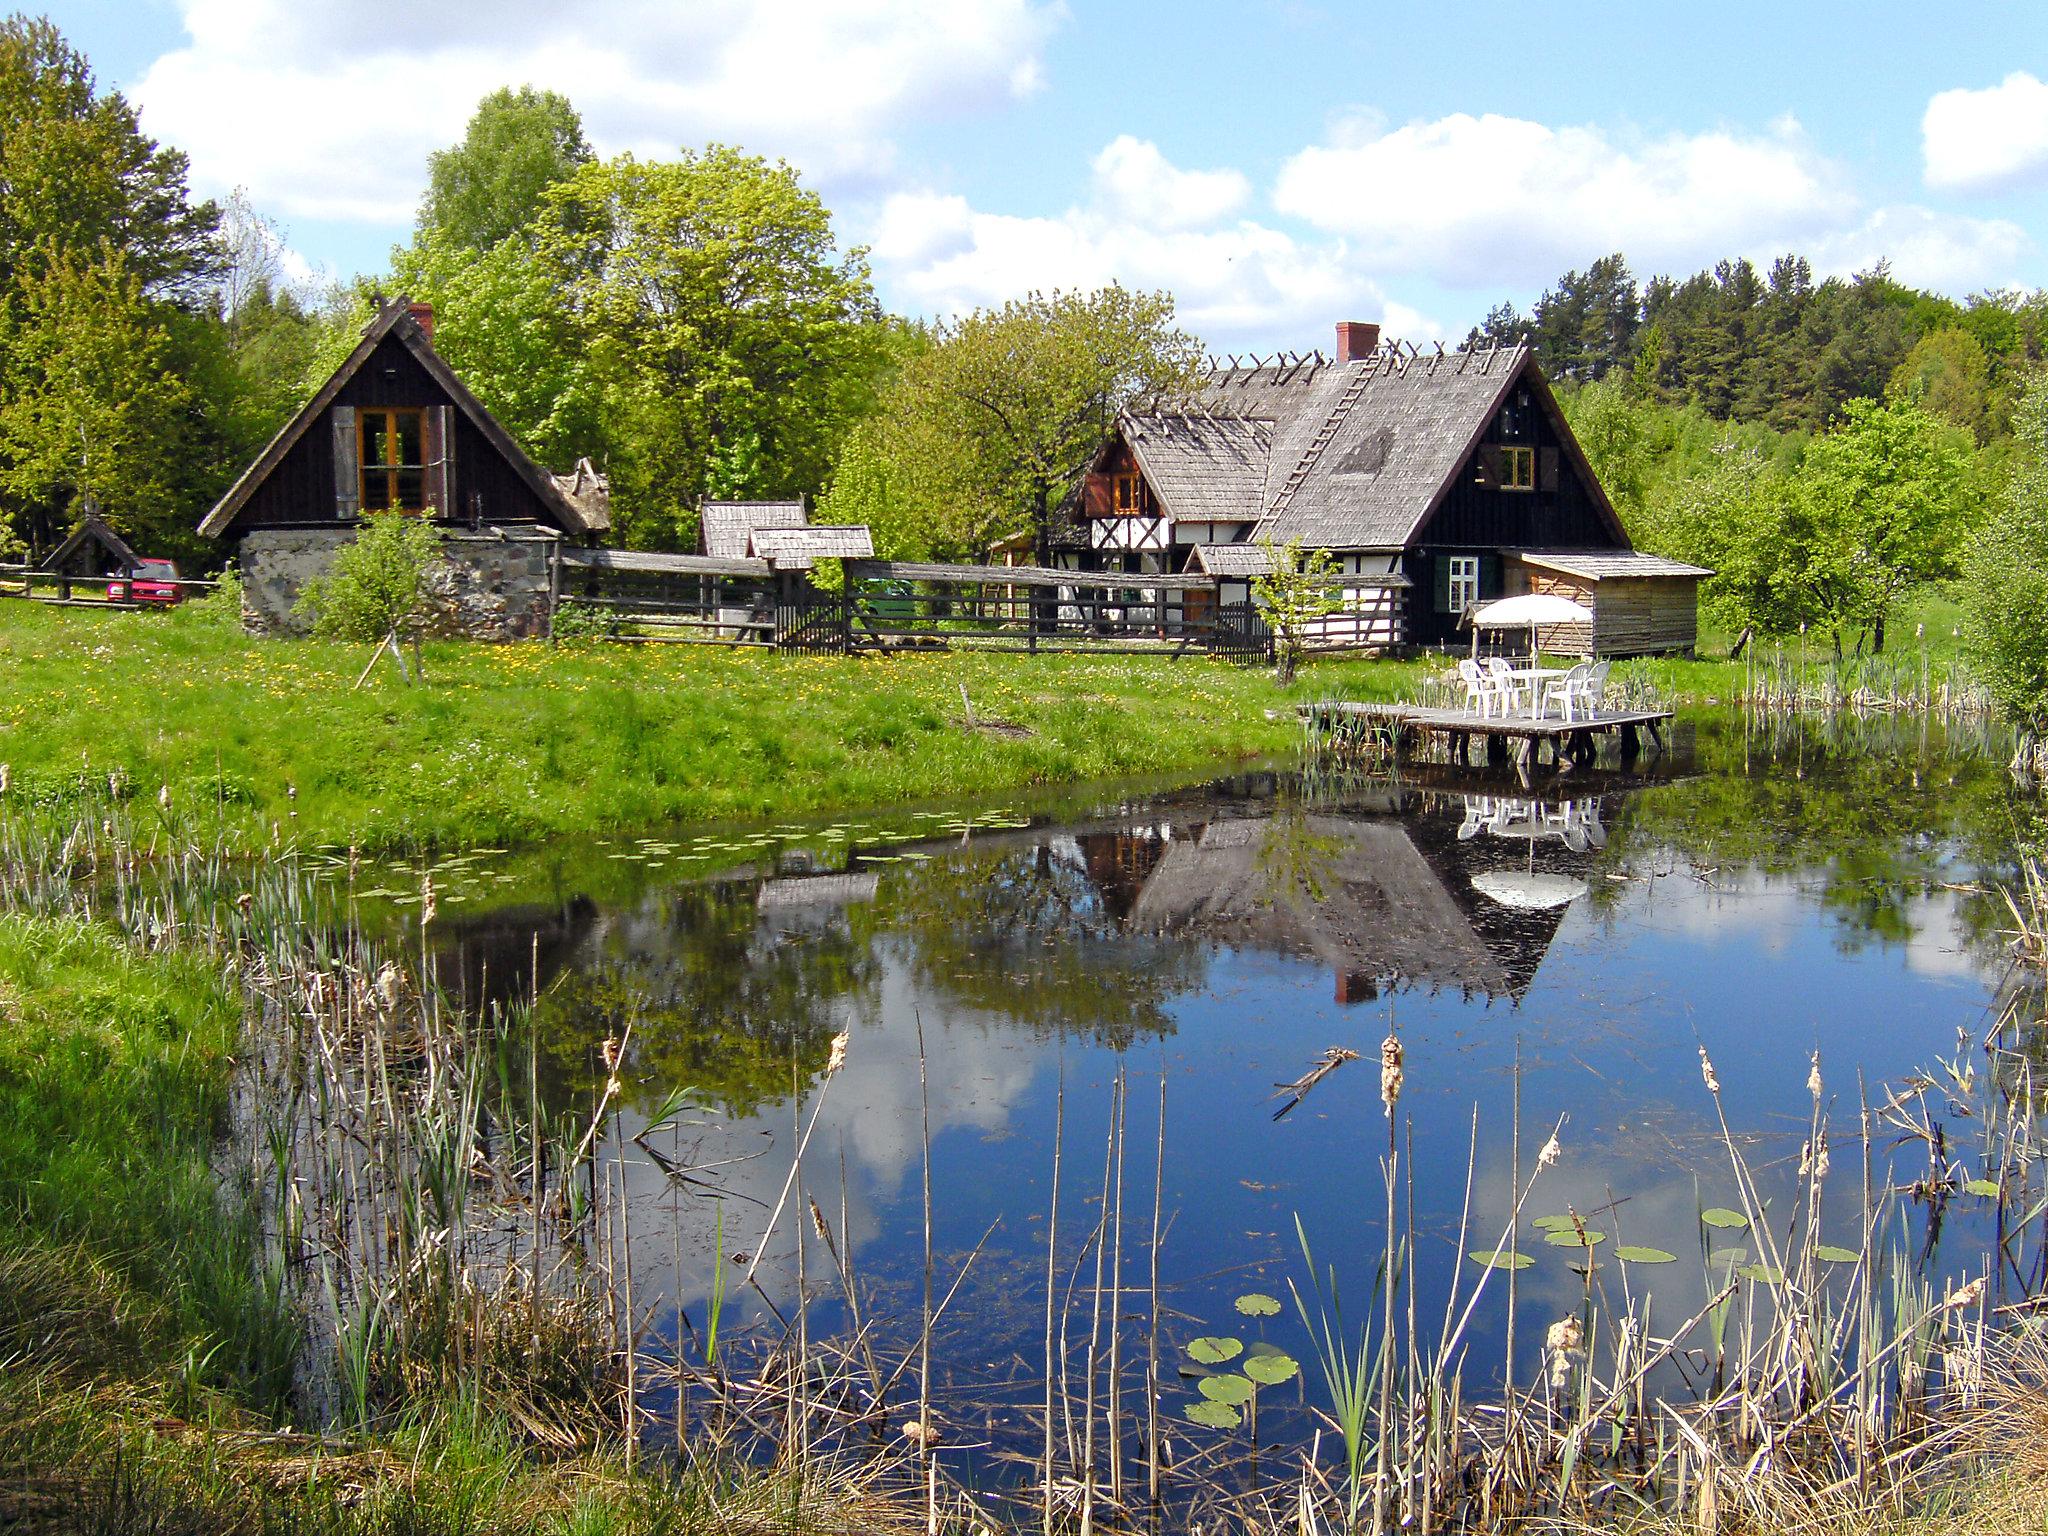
[1558,955]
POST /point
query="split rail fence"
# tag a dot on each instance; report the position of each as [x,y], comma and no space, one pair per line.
[889,605]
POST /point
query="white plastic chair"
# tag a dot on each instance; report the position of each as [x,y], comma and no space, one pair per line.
[1596,685]
[1479,691]
[1504,683]
[1565,692]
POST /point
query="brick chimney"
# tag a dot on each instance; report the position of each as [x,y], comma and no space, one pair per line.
[1356,339]
[423,314]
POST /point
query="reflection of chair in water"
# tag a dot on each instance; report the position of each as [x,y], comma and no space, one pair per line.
[1575,822]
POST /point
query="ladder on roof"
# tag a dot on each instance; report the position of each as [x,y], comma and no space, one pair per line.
[1321,440]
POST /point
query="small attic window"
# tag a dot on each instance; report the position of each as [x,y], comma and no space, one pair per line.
[1129,493]
[393,457]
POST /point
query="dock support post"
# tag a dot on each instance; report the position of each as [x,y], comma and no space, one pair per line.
[1496,749]
[1631,743]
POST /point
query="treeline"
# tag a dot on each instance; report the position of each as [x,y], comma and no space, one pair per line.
[1781,350]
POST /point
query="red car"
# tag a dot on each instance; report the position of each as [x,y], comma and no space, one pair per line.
[154,581]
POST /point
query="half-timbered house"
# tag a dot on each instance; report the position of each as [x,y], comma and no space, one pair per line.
[394,430]
[1455,471]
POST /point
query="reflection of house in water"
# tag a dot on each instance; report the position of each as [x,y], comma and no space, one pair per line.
[507,954]
[1464,893]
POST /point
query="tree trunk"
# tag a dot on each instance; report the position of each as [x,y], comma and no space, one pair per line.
[1877,637]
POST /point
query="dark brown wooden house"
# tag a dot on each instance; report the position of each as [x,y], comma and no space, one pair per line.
[1453,470]
[394,429]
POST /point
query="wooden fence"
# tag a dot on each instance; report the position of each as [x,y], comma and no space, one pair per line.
[66,590]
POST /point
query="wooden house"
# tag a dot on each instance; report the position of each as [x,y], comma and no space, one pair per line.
[394,429]
[1448,473]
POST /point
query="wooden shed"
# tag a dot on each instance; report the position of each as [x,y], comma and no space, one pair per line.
[1642,604]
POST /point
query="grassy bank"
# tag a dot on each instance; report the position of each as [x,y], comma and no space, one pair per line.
[146,1357]
[517,743]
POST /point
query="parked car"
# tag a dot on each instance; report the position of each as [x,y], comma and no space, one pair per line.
[154,581]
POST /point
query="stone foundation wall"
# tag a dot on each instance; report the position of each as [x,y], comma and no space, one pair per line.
[489,586]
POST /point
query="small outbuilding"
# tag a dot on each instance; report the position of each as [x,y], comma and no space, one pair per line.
[1642,605]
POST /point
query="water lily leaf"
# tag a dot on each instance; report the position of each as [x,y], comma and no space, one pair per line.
[1827,1253]
[1270,1370]
[1629,1253]
[1505,1259]
[1988,1187]
[1215,1415]
[1763,1274]
[1213,1351]
[1571,1239]
[1721,1216]
[1225,1389]
[1725,1257]
[1256,1304]
[1552,1223]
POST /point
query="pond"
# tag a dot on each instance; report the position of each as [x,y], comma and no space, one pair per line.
[1552,960]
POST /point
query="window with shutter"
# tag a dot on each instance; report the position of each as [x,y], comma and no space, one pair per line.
[440,424]
[1546,469]
[392,450]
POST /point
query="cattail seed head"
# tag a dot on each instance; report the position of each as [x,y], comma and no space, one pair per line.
[1391,1073]
[837,1059]
[430,904]
[1813,1078]
[1707,1073]
[1966,1297]
[163,798]
[1551,1152]
[609,1051]
[6,777]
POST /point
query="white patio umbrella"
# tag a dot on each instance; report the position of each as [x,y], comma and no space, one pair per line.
[1528,891]
[1530,611]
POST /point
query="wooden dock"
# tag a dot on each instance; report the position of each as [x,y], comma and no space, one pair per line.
[1519,739]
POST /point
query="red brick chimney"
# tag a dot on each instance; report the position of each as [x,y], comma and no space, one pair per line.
[1356,339]
[423,314]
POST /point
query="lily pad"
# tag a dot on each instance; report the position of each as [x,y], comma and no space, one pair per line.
[1214,1351]
[1225,1389]
[1257,1304]
[1270,1370]
[1571,1239]
[1214,1414]
[1763,1274]
[1721,1216]
[1505,1259]
[1827,1253]
[1552,1223]
[1986,1187]
[1725,1258]
[1629,1253]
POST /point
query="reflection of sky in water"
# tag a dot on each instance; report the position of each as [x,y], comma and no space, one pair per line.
[1260,940]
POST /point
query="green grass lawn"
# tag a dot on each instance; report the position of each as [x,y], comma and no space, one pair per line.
[519,742]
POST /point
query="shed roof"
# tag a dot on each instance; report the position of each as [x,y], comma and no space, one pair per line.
[794,549]
[727,526]
[397,321]
[1609,565]
[1233,559]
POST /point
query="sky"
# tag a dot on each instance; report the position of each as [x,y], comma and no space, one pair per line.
[1278,165]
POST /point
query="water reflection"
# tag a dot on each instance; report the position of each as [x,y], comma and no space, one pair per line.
[1563,954]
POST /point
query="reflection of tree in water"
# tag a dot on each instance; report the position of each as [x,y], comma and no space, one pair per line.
[1876,823]
[720,998]
[1028,935]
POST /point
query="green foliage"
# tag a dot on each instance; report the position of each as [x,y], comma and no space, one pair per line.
[220,608]
[722,321]
[488,188]
[987,430]
[2006,575]
[377,585]
[1605,418]
[1948,375]
[1294,592]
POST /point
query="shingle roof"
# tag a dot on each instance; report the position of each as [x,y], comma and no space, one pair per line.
[726,526]
[1357,454]
[1608,565]
[1232,559]
[793,549]
[1202,468]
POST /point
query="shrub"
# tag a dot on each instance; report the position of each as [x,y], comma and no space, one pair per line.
[219,609]
[377,585]
[2006,576]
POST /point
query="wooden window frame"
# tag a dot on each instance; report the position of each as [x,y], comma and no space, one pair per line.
[389,469]
[1461,582]
[1127,494]
[1517,467]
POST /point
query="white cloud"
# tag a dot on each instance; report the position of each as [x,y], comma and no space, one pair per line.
[329,112]
[1947,252]
[1988,140]
[1135,179]
[1149,224]
[1499,201]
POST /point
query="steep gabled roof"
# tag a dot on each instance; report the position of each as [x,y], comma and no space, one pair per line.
[395,320]
[1358,454]
[1202,468]
[727,527]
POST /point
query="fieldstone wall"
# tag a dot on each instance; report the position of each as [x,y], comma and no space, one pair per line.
[491,585]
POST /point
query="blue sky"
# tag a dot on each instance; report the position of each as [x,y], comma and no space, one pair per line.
[1277,164]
